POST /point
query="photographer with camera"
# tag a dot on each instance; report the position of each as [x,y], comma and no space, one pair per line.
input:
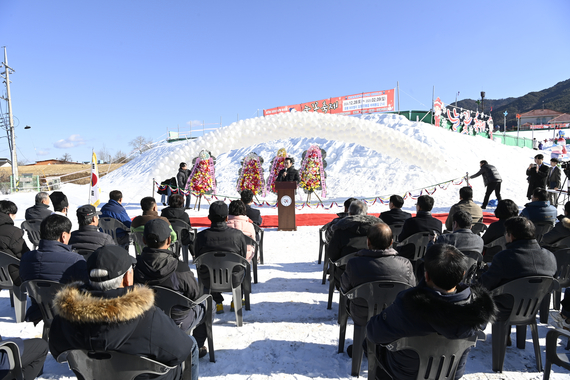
[536,175]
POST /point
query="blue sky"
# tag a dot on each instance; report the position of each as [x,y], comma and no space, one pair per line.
[94,74]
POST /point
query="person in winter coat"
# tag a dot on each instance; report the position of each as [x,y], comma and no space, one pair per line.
[553,181]
[11,237]
[560,231]
[220,237]
[378,262]
[539,210]
[167,192]
[491,179]
[395,214]
[156,265]
[289,173]
[462,237]
[238,219]
[59,202]
[440,303]
[54,260]
[253,214]
[114,209]
[349,234]
[33,354]
[41,209]
[523,257]
[88,237]
[176,209]
[466,204]
[109,313]
[422,222]
[330,225]
[536,175]
[182,179]
[506,209]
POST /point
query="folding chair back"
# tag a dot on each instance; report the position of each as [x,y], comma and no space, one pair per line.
[111,365]
[561,244]
[378,295]
[494,247]
[396,230]
[220,266]
[552,356]
[13,354]
[336,266]
[43,291]
[439,356]
[17,293]
[183,229]
[167,298]
[478,228]
[260,233]
[562,274]
[32,227]
[541,229]
[527,294]
[420,241]
[110,225]
[138,241]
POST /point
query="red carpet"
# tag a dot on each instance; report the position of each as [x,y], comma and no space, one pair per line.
[270,221]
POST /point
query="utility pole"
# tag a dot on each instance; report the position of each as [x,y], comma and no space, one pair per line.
[11,136]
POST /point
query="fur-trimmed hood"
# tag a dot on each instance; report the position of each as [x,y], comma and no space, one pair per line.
[449,312]
[565,222]
[79,305]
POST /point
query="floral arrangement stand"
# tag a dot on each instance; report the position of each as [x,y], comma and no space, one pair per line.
[250,175]
[202,179]
[277,164]
[312,173]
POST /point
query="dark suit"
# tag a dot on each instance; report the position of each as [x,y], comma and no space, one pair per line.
[394,216]
[292,175]
[422,222]
[553,182]
[536,178]
[254,215]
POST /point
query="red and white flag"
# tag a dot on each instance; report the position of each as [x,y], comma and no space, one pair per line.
[94,191]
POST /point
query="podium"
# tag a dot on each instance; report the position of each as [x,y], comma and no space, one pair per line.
[286,205]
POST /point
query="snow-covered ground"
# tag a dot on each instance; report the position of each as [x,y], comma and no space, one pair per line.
[289,333]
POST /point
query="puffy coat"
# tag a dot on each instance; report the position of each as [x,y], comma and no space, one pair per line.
[114,209]
[141,220]
[490,174]
[88,238]
[160,267]
[374,265]
[539,211]
[423,310]
[463,239]
[12,242]
[242,223]
[182,177]
[123,320]
[40,211]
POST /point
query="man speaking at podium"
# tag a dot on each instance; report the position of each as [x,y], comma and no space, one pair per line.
[289,173]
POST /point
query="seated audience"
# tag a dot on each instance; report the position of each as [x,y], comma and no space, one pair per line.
[150,212]
[176,209]
[422,222]
[33,354]
[341,215]
[41,209]
[59,202]
[54,260]
[350,234]
[109,313]
[11,237]
[379,262]
[539,210]
[466,204]
[395,214]
[560,231]
[506,209]
[220,237]
[523,257]
[88,237]
[114,209]
[157,266]
[253,214]
[440,303]
[238,219]
[462,237]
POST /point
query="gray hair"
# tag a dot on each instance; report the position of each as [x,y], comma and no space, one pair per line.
[41,197]
[111,284]
[357,208]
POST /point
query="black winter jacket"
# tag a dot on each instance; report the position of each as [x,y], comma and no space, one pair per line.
[394,216]
[349,235]
[374,265]
[560,231]
[176,213]
[40,211]
[88,238]
[292,175]
[160,267]
[254,215]
[423,310]
[12,242]
[123,320]
[490,174]
[182,178]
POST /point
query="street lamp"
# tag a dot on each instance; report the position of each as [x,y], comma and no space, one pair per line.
[483,102]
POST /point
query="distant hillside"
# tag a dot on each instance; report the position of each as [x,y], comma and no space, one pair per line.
[556,98]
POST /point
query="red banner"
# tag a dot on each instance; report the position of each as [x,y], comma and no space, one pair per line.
[550,126]
[366,102]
